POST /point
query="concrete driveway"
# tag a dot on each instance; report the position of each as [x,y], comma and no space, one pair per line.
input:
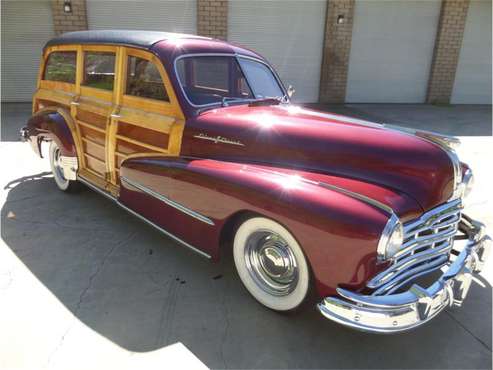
[85,285]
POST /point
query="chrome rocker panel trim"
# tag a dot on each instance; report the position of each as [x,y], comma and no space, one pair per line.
[167,233]
[404,311]
[149,222]
[168,201]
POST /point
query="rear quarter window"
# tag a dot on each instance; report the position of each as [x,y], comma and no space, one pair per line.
[61,66]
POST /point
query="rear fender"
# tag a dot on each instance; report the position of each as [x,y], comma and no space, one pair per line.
[51,124]
[337,232]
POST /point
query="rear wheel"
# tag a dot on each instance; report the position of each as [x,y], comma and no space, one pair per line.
[271,264]
[57,170]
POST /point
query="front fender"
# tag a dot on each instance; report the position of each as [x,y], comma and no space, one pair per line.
[337,232]
[50,124]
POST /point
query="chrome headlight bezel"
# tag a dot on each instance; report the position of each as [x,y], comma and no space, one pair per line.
[458,180]
[391,239]
[468,183]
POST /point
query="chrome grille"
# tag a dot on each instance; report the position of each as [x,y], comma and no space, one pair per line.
[427,244]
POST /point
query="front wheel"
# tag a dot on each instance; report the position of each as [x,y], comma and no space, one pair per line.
[271,264]
[57,170]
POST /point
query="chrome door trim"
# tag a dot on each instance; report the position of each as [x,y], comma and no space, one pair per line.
[168,201]
[147,221]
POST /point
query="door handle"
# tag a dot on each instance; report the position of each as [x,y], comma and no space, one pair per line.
[75,101]
[116,112]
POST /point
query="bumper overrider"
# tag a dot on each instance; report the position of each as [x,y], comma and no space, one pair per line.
[404,311]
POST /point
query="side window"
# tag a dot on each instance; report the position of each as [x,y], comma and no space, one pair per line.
[99,70]
[61,66]
[144,80]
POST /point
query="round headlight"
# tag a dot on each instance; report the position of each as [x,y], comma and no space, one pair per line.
[391,239]
[468,182]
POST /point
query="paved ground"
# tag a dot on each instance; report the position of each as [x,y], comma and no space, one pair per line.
[85,285]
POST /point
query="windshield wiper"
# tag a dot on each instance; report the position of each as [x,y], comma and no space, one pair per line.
[265,101]
[229,99]
[276,100]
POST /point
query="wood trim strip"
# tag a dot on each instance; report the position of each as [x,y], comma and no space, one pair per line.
[92,127]
[101,94]
[120,154]
[59,96]
[148,154]
[93,177]
[74,107]
[147,120]
[112,127]
[87,140]
[95,158]
[57,85]
[144,145]
[176,137]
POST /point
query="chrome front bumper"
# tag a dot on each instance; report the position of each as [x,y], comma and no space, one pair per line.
[404,311]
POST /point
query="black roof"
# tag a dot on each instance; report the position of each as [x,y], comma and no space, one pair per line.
[141,39]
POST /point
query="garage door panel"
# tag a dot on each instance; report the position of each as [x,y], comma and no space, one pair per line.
[473,77]
[26,27]
[391,51]
[168,16]
[287,33]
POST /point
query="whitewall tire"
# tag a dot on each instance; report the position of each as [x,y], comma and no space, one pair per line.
[57,170]
[271,264]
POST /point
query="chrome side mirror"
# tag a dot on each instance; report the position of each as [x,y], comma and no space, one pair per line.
[291,91]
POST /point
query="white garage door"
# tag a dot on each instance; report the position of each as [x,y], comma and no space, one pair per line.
[26,26]
[473,78]
[168,16]
[392,50]
[287,33]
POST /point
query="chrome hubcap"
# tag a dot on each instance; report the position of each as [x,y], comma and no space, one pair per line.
[271,263]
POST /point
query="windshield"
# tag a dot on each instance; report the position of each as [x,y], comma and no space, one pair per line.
[217,79]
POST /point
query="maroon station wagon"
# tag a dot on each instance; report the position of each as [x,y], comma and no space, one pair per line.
[198,138]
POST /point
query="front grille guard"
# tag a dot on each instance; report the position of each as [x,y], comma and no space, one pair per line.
[428,242]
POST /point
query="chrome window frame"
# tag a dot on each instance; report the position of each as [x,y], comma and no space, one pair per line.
[233,55]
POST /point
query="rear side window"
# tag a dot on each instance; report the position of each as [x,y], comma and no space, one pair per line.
[61,66]
[99,70]
[144,80]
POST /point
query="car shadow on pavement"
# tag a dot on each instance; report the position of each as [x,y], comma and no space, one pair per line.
[143,291]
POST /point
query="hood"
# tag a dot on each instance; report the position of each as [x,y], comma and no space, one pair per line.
[291,137]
